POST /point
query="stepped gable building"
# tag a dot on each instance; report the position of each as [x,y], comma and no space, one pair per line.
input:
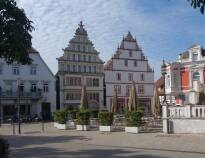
[80,65]
[127,64]
[185,76]
[30,86]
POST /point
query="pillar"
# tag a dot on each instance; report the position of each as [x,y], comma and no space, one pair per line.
[165,118]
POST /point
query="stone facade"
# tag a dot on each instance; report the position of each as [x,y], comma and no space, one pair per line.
[80,65]
[31,86]
[127,64]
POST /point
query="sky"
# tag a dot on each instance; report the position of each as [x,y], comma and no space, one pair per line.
[163,28]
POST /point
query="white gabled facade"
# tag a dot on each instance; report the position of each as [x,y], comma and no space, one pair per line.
[186,75]
[127,64]
[80,65]
[36,93]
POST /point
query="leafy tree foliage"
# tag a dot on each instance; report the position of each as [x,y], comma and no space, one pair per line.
[15,33]
[198,4]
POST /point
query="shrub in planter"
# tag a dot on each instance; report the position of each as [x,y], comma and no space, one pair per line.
[4,148]
[106,120]
[94,113]
[133,121]
[83,120]
[72,114]
[60,116]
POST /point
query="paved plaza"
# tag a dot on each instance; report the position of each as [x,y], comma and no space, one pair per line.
[53,143]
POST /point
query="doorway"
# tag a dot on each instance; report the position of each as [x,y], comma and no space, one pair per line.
[46,110]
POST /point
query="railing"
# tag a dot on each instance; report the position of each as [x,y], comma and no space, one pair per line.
[10,94]
[185,111]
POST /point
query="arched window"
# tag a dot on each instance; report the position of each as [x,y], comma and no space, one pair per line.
[196,76]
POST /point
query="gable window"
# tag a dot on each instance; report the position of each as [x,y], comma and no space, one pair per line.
[33,70]
[84,68]
[117,88]
[141,89]
[118,76]
[16,70]
[126,62]
[130,76]
[142,77]
[135,62]
[33,87]
[130,53]
[195,57]
[196,76]
[45,87]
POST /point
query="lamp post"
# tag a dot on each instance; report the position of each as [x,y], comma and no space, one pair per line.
[19,121]
[163,72]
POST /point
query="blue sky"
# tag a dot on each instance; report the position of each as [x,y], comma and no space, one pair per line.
[163,28]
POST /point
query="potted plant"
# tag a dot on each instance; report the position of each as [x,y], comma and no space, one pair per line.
[60,117]
[72,115]
[133,121]
[83,120]
[106,120]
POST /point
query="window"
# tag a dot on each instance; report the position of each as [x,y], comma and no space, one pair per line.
[128,87]
[90,69]
[33,70]
[78,47]
[92,82]
[84,68]
[95,82]
[73,96]
[93,96]
[118,76]
[73,57]
[1,69]
[135,62]
[94,58]
[73,81]
[21,88]
[117,88]
[141,89]
[168,82]
[74,68]
[126,62]
[8,87]
[130,76]
[175,80]
[89,58]
[142,77]
[196,76]
[79,57]
[94,69]
[83,48]
[84,57]
[130,53]
[16,70]
[195,57]
[45,87]
[33,87]
[79,68]
[68,68]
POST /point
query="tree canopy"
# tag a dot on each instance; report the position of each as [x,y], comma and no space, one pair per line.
[198,4]
[15,33]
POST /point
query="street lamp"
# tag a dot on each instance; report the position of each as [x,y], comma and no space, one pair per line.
[19,121]
[164,72]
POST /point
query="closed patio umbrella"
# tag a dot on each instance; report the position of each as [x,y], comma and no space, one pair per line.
[84,99]
[156,110]
[133,104]
[114,107]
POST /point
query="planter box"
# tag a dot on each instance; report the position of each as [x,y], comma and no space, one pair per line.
[71,123]
[55,124]
[106,128]
[82,127]
[132,129]
[61,126]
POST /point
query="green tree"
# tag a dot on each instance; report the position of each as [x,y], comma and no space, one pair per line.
[15,33]
[198,4]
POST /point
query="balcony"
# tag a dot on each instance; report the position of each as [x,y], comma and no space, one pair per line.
[23,95]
